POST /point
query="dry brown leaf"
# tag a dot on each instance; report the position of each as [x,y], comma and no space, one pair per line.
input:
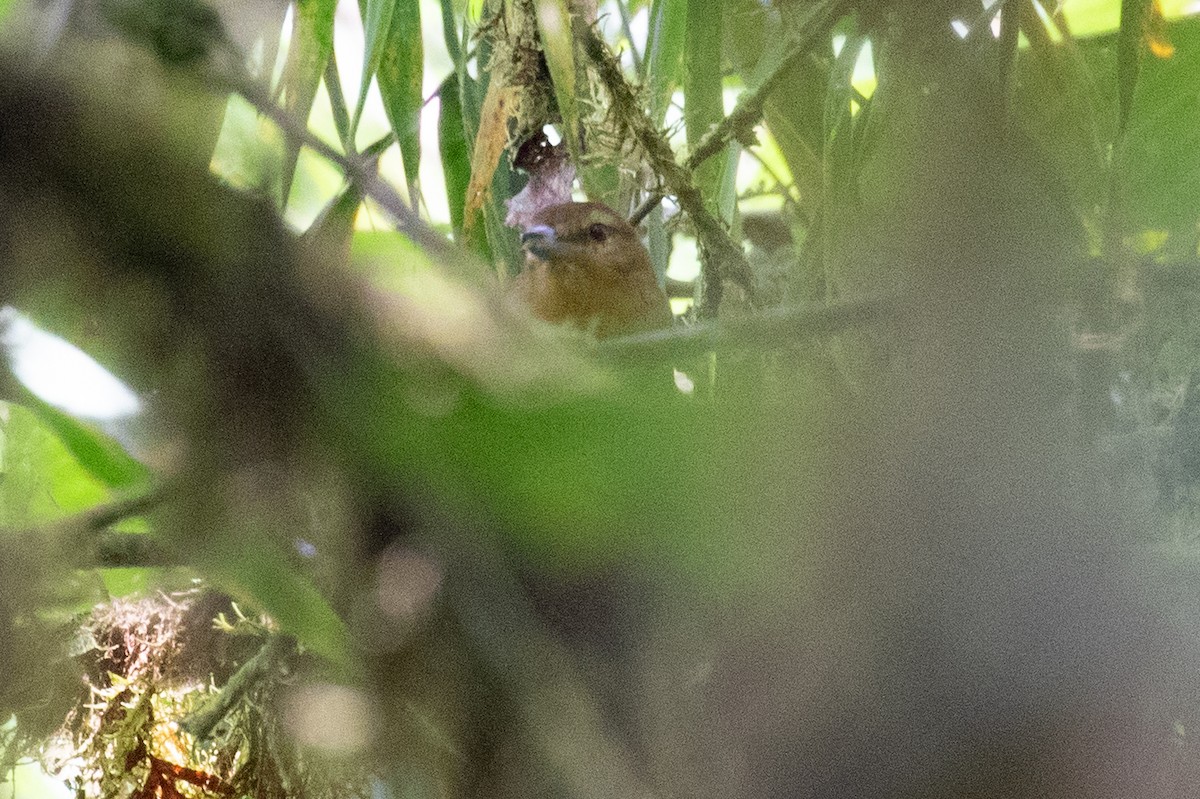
[499,105]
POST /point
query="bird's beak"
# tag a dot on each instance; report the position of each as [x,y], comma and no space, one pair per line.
[539,240]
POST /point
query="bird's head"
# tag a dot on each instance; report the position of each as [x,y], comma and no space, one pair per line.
[584,236]
[584,264]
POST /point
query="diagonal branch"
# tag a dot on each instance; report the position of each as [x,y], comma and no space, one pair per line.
[749,110]
[725,257]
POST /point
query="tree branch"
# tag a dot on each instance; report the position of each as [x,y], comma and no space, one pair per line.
[773,327]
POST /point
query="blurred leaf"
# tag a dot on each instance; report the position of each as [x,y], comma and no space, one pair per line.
[1088,18]
[1129,52]
[42,479]
[664,54]
[332,229]
[311,46]
[179,31]
[1010,28]
[1059,103]
[1159,160]
[400,75]
[840,202]
[456,156]
[104,458]
[259,571]
[130,581]
[450,34]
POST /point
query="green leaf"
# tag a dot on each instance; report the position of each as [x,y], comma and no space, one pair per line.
[400,75]
[1129,51]
[1010,27]
[455,152]
[377,22]
[450,33]
[1058,104]
[337,102]
[333,228]
[41,479]
[664,54]
[312,44]
[1158,162]
[704,106]
[558,44]
[102,457]
[254,568]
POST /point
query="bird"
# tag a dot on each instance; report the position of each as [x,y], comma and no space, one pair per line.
[585,265]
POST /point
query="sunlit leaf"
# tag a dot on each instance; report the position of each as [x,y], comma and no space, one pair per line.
[42,477]
[311,45]
[1159,161]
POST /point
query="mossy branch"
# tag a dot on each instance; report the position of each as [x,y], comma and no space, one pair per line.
[725,257]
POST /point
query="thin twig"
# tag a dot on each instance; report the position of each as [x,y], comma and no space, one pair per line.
[749,110]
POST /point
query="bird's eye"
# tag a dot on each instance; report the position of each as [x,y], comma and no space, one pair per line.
[598,232]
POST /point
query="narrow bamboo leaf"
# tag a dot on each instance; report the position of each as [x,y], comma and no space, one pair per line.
[400,75]
[494,242]
[450,33]
[456,155]
[377,21]
[839,201]
[554,29]
[664,53]
[555,22]
[1129,50]
[337,101]
[311,46]
[702,88]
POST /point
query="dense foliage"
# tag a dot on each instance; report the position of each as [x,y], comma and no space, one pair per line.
[903,505]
